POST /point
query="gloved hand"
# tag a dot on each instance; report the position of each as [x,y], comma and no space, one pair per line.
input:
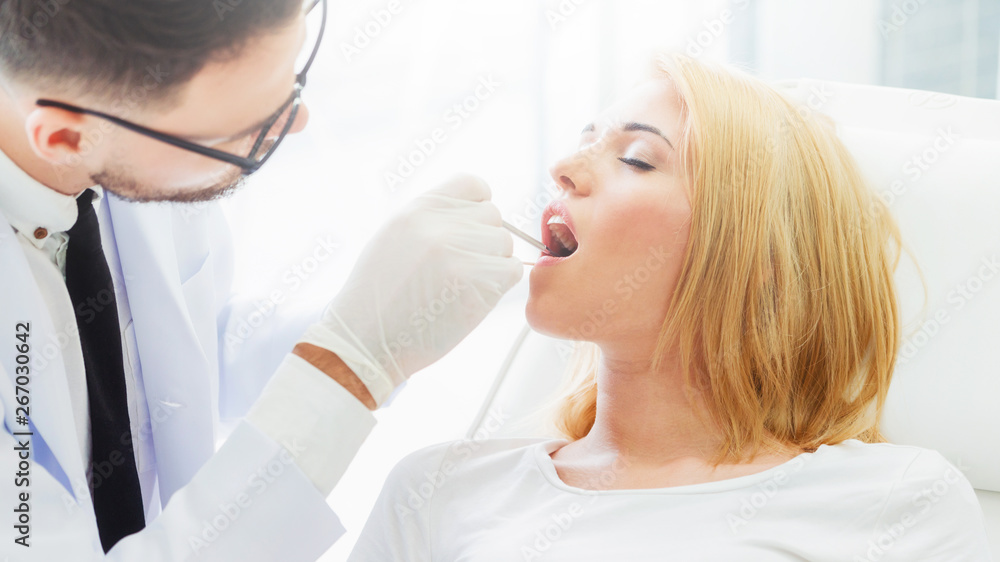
[422,284]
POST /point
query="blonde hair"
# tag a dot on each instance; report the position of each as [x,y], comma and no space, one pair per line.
[784,315]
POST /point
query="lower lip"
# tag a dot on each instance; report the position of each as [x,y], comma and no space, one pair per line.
[546,260]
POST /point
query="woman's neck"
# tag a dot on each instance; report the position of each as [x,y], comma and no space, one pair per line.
[646,416]
[649,432]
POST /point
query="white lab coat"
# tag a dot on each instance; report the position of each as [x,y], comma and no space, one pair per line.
[228,505]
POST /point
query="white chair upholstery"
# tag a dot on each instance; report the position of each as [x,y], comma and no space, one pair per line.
[935,158]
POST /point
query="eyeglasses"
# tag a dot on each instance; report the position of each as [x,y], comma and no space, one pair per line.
[276,127]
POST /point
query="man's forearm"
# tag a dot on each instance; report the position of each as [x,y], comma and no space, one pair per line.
[336,369]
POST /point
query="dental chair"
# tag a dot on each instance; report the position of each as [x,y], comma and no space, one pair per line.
[935,159]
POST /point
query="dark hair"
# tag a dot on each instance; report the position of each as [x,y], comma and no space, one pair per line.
[136,52]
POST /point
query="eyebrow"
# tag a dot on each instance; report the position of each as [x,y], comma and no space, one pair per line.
[633,126]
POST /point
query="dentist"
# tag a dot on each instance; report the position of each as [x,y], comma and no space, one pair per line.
[116,381]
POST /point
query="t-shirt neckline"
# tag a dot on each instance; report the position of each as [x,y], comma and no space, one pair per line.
[545,465]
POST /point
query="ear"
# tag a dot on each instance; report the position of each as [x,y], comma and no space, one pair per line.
[58,136]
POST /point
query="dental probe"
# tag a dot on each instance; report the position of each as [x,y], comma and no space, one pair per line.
[513,230]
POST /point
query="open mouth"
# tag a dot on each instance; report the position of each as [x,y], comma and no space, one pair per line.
[563,242]
[557,230]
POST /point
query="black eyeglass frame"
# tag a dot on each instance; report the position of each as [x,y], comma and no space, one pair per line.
[248,164]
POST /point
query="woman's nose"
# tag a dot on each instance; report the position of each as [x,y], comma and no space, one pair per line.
[572,173]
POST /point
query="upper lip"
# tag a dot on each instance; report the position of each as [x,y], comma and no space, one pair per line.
[556,208]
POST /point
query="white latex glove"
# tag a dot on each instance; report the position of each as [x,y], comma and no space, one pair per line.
[422,284]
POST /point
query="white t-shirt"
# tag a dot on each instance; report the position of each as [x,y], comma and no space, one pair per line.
[502,500]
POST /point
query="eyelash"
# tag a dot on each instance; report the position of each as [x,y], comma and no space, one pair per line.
[638,164]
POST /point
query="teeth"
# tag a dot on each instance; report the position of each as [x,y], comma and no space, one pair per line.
[563,237]
[556,219]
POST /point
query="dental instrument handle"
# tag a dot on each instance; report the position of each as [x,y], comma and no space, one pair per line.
[513,230]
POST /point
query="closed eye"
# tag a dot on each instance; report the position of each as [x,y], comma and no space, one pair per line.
[638,164]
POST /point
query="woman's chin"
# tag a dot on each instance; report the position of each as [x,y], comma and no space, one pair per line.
[543,315]
[536,315]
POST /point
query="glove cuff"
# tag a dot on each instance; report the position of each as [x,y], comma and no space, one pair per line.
[375,378]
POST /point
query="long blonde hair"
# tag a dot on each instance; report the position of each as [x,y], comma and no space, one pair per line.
[785,315]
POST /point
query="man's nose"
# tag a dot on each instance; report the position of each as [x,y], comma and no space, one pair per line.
[301,120]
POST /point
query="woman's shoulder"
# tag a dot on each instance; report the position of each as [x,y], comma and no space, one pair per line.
[890,458]
[469,454]
[916,485]
[911,467]
[886,465]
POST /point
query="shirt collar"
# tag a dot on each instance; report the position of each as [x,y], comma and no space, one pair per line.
[35,210]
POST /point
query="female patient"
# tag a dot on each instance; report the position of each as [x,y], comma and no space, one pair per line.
[720,249]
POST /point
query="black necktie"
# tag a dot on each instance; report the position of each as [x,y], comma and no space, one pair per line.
[117,495]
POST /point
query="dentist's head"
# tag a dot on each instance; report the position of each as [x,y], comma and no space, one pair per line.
[152,100]
[723,237]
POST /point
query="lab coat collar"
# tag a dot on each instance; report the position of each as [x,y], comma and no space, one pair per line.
[30,205]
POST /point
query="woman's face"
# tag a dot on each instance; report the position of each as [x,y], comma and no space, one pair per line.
[626,212]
